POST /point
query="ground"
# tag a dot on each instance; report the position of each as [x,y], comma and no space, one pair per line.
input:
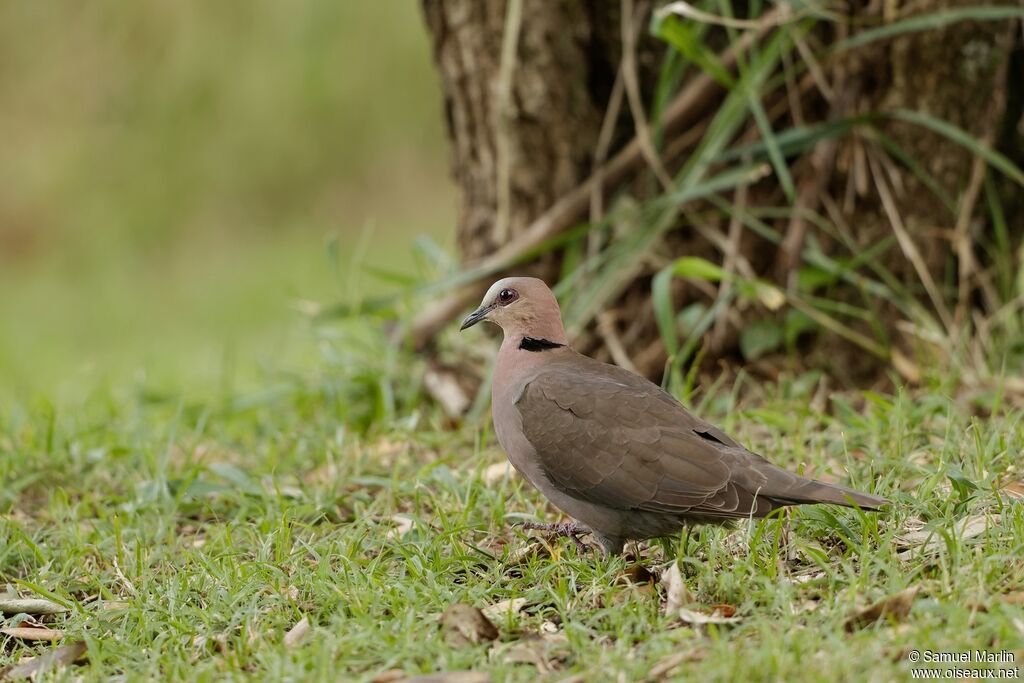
[187,537]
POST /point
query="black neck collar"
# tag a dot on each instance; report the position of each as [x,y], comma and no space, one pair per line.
[533,344]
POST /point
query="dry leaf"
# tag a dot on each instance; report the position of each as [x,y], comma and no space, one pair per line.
[544,652]
[218,642]
[806,606]
[668,666]
[933,540]
[895,608]
[389,676]
[34,667]
[451,677]
[296,634]
[724,610]
[700,619]
[494,474]
[444,388]
[676,592]
[548,627]
[112,605]
[466,625]
[501,610]
[905,366]
[807,577]
[403,525]
[635,575]
[35,633]
[1014,489]
[30,606]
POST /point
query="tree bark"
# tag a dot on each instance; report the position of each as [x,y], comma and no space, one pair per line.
[524,137]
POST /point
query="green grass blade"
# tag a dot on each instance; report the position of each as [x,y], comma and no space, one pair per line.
[772,146]
[958,135]
[929,22]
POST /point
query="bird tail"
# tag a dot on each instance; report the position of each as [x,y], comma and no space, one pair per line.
[813,491]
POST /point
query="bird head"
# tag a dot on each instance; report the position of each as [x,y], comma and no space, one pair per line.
[522,307]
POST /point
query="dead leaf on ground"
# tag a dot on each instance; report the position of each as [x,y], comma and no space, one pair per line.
[635,582]
[668,667]
[30,606]
[466,625]
[906,366]
[443,386]
[1014,489]
[34,667]
[451,677]
[33,633]
[635,575]
[296,634]
[548,627]
[501,610]
[893,608]
[217,642]
[545,652]
[806,606]
[714,616]
[676,592]
[1013,598]
[723,609]
[806,577]
[389,676]
[925,540]
[403,525]
[112,605]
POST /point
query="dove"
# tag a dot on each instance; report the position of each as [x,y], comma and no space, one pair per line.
[613,450]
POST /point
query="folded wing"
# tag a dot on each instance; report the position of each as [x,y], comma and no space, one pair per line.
[610,437]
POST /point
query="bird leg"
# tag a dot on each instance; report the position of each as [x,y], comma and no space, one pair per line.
[571,529]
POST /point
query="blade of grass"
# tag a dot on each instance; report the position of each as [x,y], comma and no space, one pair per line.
[958,135]
[772,146]
[929,22]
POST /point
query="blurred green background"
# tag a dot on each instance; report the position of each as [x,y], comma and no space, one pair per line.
[172,174]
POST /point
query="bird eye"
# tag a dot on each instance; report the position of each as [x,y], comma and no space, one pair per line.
[507,296]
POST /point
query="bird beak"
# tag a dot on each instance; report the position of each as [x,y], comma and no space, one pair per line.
[475,317]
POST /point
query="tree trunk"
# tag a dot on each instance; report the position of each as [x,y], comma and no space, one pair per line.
[525,133]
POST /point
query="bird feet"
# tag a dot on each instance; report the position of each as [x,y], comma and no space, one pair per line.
[572,530]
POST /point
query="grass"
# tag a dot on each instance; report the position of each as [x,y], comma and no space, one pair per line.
[188,537]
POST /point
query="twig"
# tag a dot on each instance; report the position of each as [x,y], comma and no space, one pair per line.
[909,248]
[687,106]
[795,106]
[962,237]
[503,144]
[604,141]
[822,160]
[606,327]
[814,68]
[636,106]
[124,579]
[688,11]
[732,250]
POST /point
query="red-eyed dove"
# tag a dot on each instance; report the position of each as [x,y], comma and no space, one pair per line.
[610,448]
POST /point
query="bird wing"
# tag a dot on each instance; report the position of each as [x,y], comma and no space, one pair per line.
[610,437]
